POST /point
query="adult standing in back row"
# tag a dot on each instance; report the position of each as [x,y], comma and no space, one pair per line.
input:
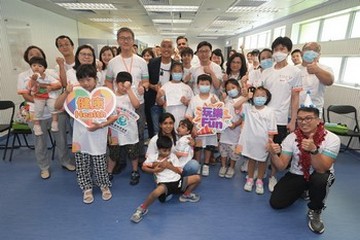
[129,62]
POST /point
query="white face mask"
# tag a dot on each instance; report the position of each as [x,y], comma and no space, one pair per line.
[279,56]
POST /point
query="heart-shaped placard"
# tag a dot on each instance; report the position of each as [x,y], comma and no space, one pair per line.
[88,108]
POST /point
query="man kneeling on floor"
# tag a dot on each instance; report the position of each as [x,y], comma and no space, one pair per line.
[168,178]
[313,150]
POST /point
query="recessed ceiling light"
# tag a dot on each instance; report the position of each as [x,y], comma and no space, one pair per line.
[170,8]
[172,20]
[252,9]
[110,20]
[87,6]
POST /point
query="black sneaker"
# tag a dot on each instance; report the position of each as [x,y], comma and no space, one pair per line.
[135,177]
[315,223]
[305,195]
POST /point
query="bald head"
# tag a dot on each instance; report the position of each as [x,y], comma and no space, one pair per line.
[312,46]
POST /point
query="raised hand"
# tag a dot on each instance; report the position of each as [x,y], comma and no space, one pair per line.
[273,148]
[308,144]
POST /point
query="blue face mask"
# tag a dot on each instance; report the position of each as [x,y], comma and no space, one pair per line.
[177,76]
[259,101]
[309,56]
[233,93]
[204,88]
[266,63]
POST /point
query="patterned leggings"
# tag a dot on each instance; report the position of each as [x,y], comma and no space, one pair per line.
[84,163]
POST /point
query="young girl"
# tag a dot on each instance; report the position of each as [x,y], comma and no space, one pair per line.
[259,127]
[230,136]
[89,144]
[208,142]
[183,149]
[175,95]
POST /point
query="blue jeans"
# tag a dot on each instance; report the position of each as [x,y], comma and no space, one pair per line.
[156,112]
[191,168]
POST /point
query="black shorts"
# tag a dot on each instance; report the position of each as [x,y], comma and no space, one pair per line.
[119,153]
[173,188]
[207,147]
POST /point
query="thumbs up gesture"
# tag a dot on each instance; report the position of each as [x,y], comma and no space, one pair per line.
[273,148]
[312,68]
[308,144]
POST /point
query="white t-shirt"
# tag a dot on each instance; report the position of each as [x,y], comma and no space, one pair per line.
[329,147]
[195,61]
[67,67]
[135,65]
[255,78]
[131,136]
[84,141]
[231,136]
[183,146]
[173,94]
[166,175]
[258,125]
[197,71]
[311,83]
[281,83]
[164,76]
[195,102]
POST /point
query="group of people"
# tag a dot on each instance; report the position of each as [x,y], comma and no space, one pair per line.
[271,122]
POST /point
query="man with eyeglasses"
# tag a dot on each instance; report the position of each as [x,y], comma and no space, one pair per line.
[128,61]
[159,74]
[312,151]
[66,47]
[314,76]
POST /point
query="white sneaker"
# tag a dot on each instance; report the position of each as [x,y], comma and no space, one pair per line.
[272,183]
[244,166]
[230,172]
[249,184]
[54,126]
[259,187]
[222,172]
[205,170]
[37,130]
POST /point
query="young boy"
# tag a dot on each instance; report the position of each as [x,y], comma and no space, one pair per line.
[187,55]
[208,142]
[125,144]
[166,167]
[43,87]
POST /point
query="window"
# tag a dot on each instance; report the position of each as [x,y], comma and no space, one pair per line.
[309,32]
[334,63]
[247,42]
[240,43]
[355,33]
[253,41]
[351,71]
[263,39]
[279,32]
[335,28]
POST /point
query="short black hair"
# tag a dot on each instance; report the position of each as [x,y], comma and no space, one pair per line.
[310,110]
[264,50]
[175,64]
[63,37]
[204,77]
[268,94]
[77,61]
[164,142]
[243,68]
[204,43]
[181,37]
[85,71]
[187,123]
[296,51]
[185,51]
[255,52]
[122,77]
[38,60]
[285,41]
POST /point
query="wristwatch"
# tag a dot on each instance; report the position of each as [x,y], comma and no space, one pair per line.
[316,151]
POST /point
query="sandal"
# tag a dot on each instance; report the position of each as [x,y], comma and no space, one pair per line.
[106,194]
[88,196]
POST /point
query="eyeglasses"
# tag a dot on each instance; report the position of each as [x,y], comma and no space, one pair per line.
[86,54]
[127,39]
[204,51]
[64,46]
[306,119]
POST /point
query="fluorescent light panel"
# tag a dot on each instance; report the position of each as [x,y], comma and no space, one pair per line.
[87,6]
[170,8]
[172,33]
[252,9]
[110,20]
[172,20]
